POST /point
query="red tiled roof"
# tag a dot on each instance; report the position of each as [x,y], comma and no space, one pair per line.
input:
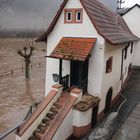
[77,49]
[108,24]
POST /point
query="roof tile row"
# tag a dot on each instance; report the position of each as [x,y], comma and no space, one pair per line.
[77,49]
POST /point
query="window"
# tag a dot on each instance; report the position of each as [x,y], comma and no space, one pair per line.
[79,16]
[73,16]
[131,51]
[68,16]
[109,65]
[125,53]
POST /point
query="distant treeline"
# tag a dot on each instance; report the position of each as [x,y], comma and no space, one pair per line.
[20,34]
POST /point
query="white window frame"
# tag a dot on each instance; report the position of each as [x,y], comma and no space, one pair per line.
[68,12]
[76,15]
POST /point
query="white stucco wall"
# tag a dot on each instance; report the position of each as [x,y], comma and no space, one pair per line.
[66,128]
[132,18]
[112,79]
[82,118]
[127,62]
[86,29]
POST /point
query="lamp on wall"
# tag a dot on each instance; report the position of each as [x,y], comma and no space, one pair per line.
[55,77]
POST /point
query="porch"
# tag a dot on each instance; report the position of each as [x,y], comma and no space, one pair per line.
[76,51]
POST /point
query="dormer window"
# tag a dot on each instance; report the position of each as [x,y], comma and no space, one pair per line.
[73,15]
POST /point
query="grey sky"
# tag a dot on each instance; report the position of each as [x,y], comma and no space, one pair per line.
[34,14]
[31,14]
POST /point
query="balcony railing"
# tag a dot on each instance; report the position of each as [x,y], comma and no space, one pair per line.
[65,82]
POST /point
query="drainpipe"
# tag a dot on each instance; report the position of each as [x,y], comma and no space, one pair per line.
[122,69]
[60,70]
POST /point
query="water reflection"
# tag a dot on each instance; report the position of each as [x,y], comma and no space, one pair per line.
[29,90]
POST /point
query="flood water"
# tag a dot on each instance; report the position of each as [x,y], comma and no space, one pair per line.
[16,93]
[104,130]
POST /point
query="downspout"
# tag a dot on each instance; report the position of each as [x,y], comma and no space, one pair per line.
[60,70]
[122,69]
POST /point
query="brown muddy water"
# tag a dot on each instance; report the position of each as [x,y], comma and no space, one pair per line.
[16,93]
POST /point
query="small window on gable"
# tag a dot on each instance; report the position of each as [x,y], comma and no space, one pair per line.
[131,51]
[68,16]
[73,15]
[79,15]
[109,65]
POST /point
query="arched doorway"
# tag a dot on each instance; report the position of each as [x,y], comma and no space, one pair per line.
[108,100]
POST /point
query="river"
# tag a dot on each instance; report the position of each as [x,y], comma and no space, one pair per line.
[16,93]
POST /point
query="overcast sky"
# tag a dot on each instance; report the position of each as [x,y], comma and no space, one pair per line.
[27,14]
[34,14]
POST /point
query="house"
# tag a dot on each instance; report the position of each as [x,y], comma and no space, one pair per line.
[89,57]
[131,17]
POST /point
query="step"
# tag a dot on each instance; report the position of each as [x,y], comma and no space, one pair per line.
[26,126]
[42,128]
[61,99]
[42,125]
[58,104]
[58,121]
[49,118]
[45,120]
[55,110]
[38,133]
[33,138]
[65,94]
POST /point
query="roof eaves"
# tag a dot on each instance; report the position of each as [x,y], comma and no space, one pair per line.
[104,36]
[96,26]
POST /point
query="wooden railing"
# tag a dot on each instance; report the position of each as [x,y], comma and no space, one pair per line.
[37,113]
[60,118]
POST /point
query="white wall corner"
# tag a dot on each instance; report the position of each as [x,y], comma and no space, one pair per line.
[77,93]
[81,118]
